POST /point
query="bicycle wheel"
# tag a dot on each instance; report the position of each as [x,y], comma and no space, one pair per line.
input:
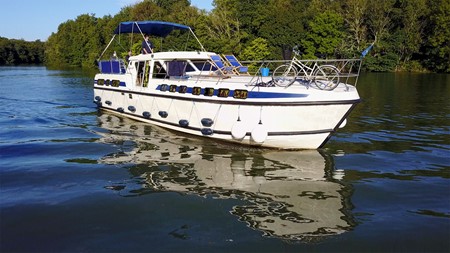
[326,77]
[284,75]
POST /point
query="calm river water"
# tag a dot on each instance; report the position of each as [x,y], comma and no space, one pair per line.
[73,179]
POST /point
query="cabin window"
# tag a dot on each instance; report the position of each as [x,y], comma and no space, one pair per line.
[143,70]
[203,65]
[190,67]
[140,66]
[176,69]
[159,71]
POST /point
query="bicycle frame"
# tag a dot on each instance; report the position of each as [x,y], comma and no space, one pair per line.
[325,77]
[307,70]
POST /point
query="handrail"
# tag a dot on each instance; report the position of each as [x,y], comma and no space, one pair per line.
[349,69]
[348,73]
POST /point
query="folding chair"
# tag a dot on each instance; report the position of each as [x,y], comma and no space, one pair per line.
[220,65]
[238,68]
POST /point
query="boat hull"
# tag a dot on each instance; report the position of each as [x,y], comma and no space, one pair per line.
[282,121]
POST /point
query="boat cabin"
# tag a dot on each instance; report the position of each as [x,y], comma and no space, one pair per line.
[171,65]
[164,65]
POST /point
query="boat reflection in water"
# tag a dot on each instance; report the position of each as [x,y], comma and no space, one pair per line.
[293,195]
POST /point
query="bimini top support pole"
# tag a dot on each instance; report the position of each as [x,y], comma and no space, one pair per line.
[203,49]
[143,36]
[106,47]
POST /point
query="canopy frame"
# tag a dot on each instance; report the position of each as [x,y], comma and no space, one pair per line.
[154,28]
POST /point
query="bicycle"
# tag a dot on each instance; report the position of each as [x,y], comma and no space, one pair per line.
[325,77]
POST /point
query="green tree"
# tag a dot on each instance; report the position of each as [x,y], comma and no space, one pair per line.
[283,26]
[249,15]
[380,22]
[332,28]
[15,52]
[257,50]
[411,29]
[438,45]
[379,17]
[77,42]
[146,10]
[325,33]
[354,12]
[224,31]
[170,4]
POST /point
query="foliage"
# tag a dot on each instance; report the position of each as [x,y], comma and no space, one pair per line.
[325,34]
[410,34]
[353,13]
[280,28]
[77,42]
[224,32]
[15,52]
[381,62]
[257,50]
[437,47]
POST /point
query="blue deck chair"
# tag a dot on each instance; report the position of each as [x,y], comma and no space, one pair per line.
[238,68]
[220,65]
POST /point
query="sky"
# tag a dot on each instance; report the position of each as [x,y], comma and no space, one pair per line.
[32,20]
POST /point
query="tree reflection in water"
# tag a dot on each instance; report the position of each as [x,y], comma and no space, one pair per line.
[293,195]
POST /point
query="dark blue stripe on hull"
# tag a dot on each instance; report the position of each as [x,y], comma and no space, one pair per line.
[219,100]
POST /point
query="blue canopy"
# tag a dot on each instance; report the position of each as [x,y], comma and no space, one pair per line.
[155,28]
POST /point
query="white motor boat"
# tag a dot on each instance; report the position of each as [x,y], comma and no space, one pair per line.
[206,94]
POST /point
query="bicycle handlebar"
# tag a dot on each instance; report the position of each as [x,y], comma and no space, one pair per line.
[296,51]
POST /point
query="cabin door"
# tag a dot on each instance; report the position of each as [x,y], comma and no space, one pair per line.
[143,72]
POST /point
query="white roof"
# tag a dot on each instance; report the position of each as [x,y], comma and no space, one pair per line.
[173,55]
